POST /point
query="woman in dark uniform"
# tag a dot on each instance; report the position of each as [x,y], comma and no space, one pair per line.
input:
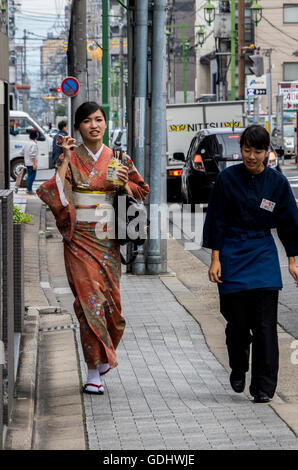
[247,201]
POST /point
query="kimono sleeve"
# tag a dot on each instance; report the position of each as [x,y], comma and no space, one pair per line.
[215,223]
[286,217]
[139,188]
[49,193]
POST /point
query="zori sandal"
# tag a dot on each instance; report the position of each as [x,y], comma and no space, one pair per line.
[100,389]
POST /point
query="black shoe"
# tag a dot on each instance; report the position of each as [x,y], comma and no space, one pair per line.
[261,397]
[237,382]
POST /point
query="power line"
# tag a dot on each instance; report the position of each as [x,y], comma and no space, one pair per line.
[280,30]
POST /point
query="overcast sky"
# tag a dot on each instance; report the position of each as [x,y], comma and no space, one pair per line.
[38,17]
[47,6]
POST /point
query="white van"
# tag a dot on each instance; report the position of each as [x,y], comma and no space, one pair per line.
[20,126]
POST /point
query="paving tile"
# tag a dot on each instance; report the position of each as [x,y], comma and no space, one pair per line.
[170,389]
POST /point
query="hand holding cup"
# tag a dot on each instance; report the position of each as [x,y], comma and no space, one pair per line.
[67,143]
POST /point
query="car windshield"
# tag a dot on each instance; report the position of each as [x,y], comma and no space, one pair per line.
[230,144]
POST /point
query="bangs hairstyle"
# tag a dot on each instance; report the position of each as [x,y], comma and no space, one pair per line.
[255,136]
[83,111]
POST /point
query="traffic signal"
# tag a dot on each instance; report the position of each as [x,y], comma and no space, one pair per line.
[56,90]
[257,68]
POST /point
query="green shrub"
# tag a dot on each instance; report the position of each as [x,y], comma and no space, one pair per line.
[20,216]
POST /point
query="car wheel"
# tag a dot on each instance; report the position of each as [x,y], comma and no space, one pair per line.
[15,167]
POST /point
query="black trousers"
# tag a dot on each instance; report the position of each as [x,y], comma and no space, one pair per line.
[252,318]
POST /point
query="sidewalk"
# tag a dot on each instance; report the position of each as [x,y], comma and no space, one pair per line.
[171,389]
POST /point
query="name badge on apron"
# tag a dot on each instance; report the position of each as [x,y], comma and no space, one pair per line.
[267,205]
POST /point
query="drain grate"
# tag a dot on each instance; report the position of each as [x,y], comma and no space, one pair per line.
[59,328]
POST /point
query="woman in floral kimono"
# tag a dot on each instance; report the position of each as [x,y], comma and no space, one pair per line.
[92,262]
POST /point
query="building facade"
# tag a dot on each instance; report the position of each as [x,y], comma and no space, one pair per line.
[181,50]
[278,32]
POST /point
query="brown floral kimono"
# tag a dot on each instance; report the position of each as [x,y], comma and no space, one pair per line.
[93,265]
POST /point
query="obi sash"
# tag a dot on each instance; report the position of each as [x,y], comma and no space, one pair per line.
[93,206]
[249,260]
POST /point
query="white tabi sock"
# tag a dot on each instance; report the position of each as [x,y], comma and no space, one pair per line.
[93,378]
[103,369]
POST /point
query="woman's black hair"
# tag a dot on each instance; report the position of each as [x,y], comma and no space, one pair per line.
[85,109]
[33,134]
[255,136]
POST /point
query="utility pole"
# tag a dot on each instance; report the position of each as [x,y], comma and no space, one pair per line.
[256,109]
[280,124]
[25,56]
[269,79]
[121,76]
[185,45]
[105,66]
[154,258]
[241,52]
[185,48]
[77,52]
[233,50]
[140,73]
[24,74]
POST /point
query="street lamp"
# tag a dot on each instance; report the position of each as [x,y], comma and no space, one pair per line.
[209,15]
[256,12]
[201,35]
[209,12]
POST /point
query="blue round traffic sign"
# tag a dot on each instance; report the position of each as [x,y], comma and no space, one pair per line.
[70,86]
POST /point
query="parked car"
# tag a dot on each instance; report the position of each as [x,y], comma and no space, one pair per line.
[211,151]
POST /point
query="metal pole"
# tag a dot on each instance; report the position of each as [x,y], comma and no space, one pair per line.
[154,260]
[280,124]
[256,109]
[233,51]
[141,53]
[269,90]
[121,78]
[105,66]
[241,55]
[184,55]
[69,115]
[129,86]
[77,51]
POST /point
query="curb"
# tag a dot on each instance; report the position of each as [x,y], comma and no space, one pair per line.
[20,431]
[44,275]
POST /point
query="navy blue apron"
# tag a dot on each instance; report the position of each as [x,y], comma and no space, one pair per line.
[249,260]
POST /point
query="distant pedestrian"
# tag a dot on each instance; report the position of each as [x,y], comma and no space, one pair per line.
[57,151]
[248,200]
[30,154]
[12,130]
[77,194]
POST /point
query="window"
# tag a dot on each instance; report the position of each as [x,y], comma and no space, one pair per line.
[191,147]
[290,71]
[290,13]
[230,144]
[23,125]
